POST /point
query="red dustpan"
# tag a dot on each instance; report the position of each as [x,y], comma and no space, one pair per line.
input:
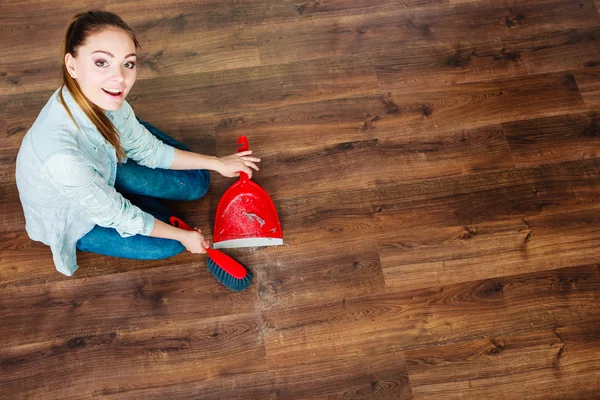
[246,215]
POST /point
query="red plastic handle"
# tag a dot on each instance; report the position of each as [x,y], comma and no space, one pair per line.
[242,143]
[243,146]
[225,262]
[178,223]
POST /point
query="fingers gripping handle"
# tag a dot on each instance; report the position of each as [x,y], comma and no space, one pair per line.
[178,223]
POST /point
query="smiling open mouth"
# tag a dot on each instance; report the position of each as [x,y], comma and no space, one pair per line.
[113,92]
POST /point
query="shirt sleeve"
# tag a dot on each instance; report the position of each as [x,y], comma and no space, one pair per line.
[141,145]
[82,184]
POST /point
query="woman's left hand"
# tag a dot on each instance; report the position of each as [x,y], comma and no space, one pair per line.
[231,166]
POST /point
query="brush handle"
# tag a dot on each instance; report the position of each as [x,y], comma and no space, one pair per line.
[178,223]
[221,259]
[243,146]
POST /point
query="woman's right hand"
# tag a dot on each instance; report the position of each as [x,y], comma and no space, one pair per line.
[231,166]
[195,242]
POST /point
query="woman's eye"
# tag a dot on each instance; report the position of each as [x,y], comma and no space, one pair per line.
[130,65]
[101,63]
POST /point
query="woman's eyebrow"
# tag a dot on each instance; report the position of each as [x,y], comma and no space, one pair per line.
[110,54]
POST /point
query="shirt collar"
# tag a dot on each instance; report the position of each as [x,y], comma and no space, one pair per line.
[88,128]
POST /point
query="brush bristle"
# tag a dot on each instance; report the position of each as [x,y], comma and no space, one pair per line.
[230,282]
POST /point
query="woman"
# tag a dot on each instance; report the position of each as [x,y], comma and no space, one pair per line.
[89,173]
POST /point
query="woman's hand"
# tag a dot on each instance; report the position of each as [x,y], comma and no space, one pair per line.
[195,242]
[231,166]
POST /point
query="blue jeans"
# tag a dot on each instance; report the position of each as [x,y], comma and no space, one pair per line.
[143,186]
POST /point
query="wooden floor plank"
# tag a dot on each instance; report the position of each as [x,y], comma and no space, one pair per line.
[482,103]
[156,18]
[391,30]
[168,352]
[3,110]
[414,66]
[588,81]
[296,274]
[455,201]
[372,377]
[240,386]
[379,377]
[7,163]
[318,9]
[442,255]
[137,300]
[552,364]
[290,126]
[554,139]
[12,216]
[196,52]
[419,319]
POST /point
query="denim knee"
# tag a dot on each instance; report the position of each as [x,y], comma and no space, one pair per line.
[200,186]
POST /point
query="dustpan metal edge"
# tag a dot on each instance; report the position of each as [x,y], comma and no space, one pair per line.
[247,242]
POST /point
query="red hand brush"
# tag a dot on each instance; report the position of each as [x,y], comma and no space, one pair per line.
[226,270]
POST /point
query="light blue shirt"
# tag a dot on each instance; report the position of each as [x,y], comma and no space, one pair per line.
[66,177]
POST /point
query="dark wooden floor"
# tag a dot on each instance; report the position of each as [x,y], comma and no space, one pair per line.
[436,168]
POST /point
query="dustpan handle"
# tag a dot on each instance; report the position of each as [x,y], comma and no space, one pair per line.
[242,143]
[243,146]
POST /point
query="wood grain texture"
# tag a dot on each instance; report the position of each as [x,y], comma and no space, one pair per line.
[435,168]
[561,361]
[588,81]
[415,66]
[454,201]
[240,386]
[480,103]
[441,255]
[438,315]
[381,377]
[168,352]
[392,30]
[553,139]
[179,16]
[297,275]
[6,166]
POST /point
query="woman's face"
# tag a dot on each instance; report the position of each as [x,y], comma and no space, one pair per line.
[105,68]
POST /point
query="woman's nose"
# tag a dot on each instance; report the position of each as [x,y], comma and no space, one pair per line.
[118,74]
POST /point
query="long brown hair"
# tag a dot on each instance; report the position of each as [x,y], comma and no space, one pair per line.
[79,29]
